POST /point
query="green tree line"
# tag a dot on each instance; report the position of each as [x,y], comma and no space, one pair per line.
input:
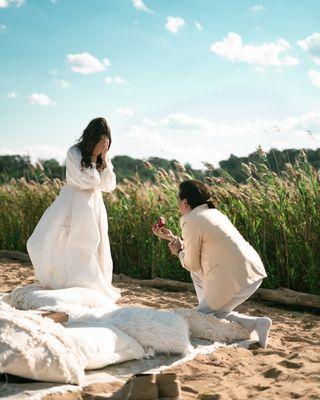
[17,166]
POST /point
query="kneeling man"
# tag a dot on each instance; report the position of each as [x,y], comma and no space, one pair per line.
[225,269]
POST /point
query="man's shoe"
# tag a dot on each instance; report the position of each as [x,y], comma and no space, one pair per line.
[139,387]
[168,386]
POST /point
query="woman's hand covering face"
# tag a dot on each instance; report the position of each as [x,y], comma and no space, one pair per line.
[101,147]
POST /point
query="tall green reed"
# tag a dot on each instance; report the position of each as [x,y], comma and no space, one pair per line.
[278,214]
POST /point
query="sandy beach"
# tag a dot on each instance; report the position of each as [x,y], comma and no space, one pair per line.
[287,369]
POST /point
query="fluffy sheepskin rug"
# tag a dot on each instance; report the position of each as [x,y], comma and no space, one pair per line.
[207,326]
[158,331]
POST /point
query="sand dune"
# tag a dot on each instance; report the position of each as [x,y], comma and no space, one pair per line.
[288,369]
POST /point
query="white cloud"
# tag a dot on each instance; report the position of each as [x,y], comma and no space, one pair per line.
[278,144]
[182,122]
[3,28]
[40,99]
[62,83]
[198,25]
[290,126]
[149,122]
[36,152]
[192,138]
[139,4]
[117,80]
[9,3]
[144,135]
[86,63]
[11,95]
[174,24]
[299,125]
[257,7]
[233,49]
[311,45]
[199,139]
[315,78]
[126,111]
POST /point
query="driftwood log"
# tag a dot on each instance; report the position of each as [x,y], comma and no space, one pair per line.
[281,296]
[15,255]
[289,297]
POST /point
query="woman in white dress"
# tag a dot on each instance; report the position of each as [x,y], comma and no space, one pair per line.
[70,246]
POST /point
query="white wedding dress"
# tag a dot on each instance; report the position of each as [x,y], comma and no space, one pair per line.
[70,246]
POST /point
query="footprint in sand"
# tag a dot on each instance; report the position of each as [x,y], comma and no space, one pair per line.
[263,352]
[261,388]
[188,389]
[208,396]
[297,339]
[290,364]
[293,355]
[272,373]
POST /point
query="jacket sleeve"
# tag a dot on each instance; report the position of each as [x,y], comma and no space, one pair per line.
[192,240]
[76,175]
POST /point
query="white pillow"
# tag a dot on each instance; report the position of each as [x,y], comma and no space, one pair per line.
[161,331]
[102,346]
[34,296]
[37,348]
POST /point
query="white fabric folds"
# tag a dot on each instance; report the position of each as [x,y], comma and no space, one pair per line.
[69,246]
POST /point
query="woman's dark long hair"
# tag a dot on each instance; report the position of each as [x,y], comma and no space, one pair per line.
[90,137]
[196,193]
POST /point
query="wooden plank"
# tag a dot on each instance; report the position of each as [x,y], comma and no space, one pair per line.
[56,316]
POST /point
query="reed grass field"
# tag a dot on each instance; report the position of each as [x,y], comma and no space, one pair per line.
[279,214]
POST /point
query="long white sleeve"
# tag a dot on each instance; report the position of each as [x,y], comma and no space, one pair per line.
[90,177]
[108,178]
[76,175]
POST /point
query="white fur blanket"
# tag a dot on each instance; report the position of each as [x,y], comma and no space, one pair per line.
[134,333]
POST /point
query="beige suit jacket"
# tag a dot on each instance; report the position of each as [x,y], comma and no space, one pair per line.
[214,245]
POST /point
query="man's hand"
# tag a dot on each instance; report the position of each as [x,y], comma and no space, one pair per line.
[175,245]
[162,233]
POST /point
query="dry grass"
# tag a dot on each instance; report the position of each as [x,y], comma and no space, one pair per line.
[278,214]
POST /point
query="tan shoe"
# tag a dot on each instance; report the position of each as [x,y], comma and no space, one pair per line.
[168,386]
[139,387]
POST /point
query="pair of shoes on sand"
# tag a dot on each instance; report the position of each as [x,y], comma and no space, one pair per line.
[163,386]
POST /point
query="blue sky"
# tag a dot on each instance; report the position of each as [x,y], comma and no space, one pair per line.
[194,80]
